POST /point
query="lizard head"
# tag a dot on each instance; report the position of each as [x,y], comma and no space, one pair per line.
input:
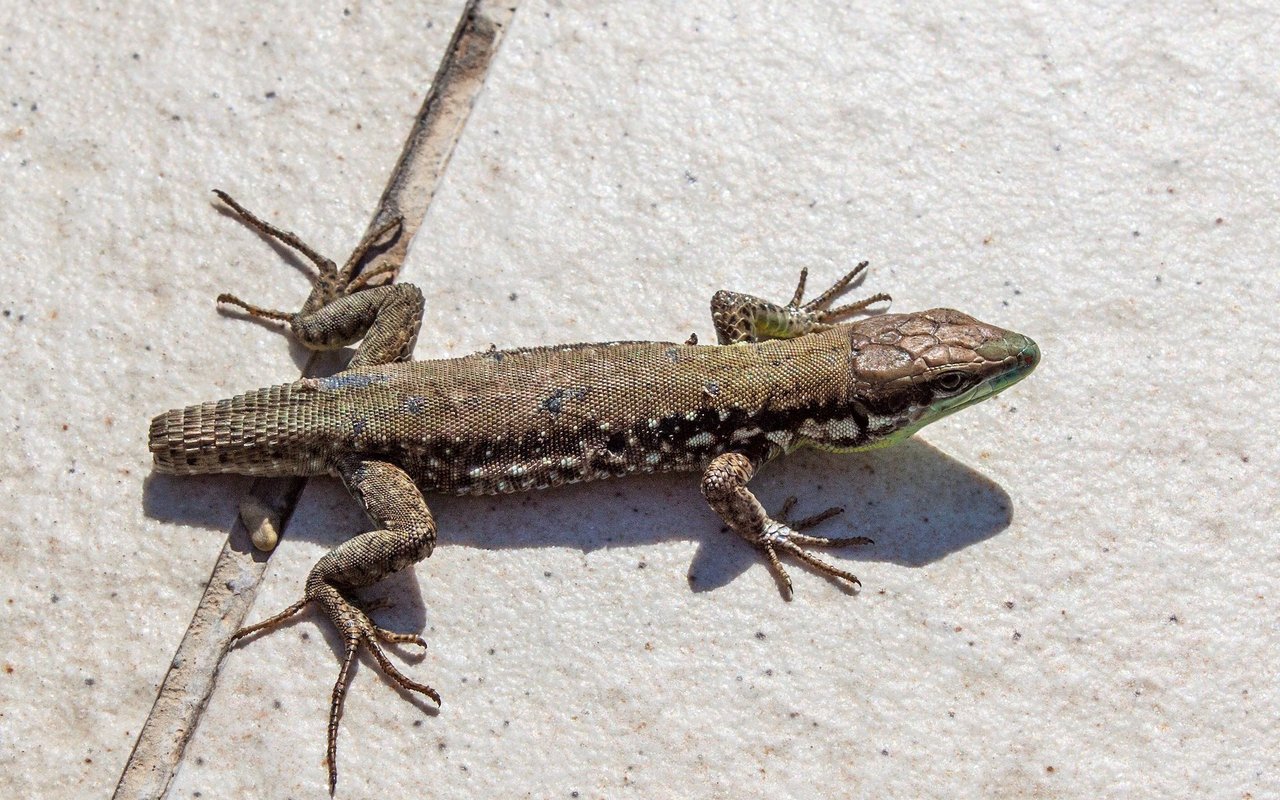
[912,369]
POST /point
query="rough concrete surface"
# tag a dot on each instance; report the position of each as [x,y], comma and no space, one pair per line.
[1075,588]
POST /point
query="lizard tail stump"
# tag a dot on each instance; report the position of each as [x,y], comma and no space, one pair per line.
[247,435]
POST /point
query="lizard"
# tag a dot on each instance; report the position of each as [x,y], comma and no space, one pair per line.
[781,376]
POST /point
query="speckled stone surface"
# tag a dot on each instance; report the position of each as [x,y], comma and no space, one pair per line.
[1075,590]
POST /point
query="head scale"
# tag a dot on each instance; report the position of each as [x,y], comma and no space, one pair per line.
[908,370]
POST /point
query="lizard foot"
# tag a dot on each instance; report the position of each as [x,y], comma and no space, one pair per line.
[745,318]
[781,533]
[357,631]
[330,282]
[818,307]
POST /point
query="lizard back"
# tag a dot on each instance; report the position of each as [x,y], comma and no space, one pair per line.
[513,420]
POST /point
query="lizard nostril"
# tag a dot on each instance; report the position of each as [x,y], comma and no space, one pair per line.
[1030,355]
[1028,351]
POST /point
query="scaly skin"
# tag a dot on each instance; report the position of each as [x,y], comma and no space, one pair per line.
[782,377]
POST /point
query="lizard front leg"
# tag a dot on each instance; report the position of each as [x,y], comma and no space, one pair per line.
[724,485]
[406,534]
[746,318]
[343,307]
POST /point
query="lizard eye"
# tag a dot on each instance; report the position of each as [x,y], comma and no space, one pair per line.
[950,381]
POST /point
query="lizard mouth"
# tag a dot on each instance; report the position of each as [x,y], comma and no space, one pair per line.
[1023,358]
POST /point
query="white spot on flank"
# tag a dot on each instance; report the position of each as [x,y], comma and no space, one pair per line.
[515,470]
[700,440]
[476,472]
[878,425]
[745,433]
[843,429]
[652,458]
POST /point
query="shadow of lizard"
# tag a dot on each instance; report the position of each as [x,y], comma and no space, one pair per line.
[917,503]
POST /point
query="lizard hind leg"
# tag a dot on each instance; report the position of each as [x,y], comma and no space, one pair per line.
[406,534]
[338,311]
